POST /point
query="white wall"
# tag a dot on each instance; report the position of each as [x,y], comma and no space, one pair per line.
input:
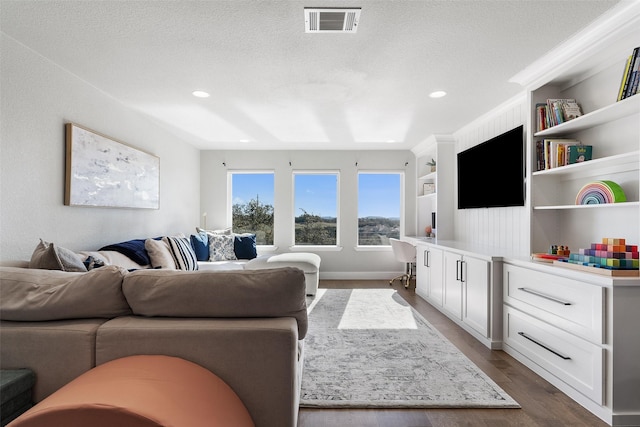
[347,263]
[505,228]
[37,99]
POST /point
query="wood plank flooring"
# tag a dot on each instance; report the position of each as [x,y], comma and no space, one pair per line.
[542,403]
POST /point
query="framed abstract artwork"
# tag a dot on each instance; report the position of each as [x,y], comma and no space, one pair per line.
[103,172]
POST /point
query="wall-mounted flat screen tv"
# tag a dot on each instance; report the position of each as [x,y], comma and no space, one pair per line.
[492,173]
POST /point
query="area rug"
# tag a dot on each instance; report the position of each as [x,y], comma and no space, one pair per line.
[368,348]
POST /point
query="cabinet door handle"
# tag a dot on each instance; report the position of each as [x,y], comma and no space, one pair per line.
[457,269]
[545,296]
[546,347]
[426,259]
[462,264]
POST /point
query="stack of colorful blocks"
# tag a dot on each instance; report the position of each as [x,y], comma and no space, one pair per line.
[612,254]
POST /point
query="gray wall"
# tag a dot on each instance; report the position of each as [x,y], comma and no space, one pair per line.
[37,98]
[346,263]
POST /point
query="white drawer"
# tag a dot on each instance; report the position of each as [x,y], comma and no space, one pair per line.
[573,360]
[570,304]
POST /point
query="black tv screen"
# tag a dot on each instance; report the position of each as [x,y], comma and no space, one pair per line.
[492,174]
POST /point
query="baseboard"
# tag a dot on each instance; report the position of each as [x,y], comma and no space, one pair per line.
[358,275]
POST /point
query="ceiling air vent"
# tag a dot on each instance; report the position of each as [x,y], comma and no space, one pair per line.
[331,20]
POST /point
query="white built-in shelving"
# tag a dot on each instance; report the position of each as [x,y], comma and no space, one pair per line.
[602,373]
[440,202]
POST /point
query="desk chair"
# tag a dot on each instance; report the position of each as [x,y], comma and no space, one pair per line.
[404,252]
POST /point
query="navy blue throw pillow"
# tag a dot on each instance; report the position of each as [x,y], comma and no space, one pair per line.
[134,249]
[244,246]
[200,244]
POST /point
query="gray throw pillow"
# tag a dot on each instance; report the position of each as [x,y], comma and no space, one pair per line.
[48,256]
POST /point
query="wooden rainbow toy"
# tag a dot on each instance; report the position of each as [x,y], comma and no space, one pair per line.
[600,192]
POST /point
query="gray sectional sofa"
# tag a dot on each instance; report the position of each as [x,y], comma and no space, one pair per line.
[246,326]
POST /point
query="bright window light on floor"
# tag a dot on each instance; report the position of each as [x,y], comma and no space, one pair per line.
[390,311]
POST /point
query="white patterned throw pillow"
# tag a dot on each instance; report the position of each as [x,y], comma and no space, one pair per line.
[221,247]
[182,252]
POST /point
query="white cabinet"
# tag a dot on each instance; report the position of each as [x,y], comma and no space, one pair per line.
[463,283]
[579,332]
[572,360]
[429,283]
[476,284]
[453,284]
[466,290]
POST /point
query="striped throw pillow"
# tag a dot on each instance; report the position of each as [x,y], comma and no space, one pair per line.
[182,253]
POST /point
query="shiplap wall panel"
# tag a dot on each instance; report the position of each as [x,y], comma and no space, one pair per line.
[505,228]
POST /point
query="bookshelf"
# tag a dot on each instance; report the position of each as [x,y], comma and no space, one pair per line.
[608,113]
[441,149]
[611,127]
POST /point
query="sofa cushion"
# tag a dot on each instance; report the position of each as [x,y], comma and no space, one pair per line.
[238,293]
[57,351]
[48,256]
[35,295]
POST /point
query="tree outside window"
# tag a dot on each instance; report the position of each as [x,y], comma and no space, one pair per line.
[252,204]
[379,207]
[316,208]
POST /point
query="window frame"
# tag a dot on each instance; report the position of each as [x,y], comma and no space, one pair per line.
[402,176]
[295,173]
[230,174]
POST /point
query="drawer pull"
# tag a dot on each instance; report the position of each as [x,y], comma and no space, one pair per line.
[541,295]
[560,355]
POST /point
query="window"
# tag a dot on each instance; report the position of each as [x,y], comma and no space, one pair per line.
[316,208]
[252,204]
[379,207]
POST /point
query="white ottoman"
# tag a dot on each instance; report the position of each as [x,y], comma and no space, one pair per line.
[307,262]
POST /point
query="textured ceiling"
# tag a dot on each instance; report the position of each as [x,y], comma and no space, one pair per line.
[278,87]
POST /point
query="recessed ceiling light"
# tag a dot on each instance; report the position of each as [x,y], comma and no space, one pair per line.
[245,140]
[200,94]
[391,141]
[437,94]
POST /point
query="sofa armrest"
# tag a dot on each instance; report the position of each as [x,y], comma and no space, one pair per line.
[238,293]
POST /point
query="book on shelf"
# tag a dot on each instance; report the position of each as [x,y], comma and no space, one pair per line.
[428,188]
[631,76]
[556,111]
[554,152]
[635,74]
[578,153]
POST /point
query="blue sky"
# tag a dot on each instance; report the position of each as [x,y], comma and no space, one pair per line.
[379,193]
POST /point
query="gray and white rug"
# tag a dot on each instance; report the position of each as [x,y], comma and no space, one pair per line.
[368,348]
